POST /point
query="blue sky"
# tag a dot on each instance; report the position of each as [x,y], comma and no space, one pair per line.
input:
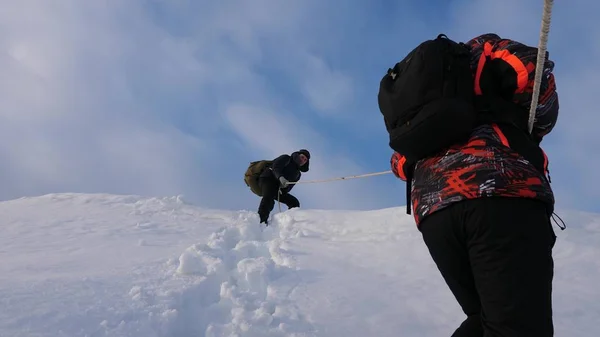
[174,97]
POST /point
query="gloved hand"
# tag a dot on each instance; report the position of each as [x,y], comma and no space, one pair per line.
[396,162]
[283,182]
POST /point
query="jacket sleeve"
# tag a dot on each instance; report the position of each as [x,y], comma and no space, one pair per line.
[397,162]
[279,164]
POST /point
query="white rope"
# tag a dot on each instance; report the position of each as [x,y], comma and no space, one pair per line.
[278,202]
[541,58]
[341,178]
[332,179]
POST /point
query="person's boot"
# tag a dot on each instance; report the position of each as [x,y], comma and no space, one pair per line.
[264,219]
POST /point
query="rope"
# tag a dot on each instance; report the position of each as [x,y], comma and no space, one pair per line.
[341,178]
[332,179]
[278,202]
[541,58]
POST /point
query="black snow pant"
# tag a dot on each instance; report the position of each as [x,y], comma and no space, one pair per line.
[270,191]
[495,255]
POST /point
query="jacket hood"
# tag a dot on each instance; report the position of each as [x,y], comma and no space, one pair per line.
[305,167]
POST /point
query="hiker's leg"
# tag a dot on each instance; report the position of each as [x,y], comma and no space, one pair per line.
[289,200]
[510,248]
[447,246]
[269,187]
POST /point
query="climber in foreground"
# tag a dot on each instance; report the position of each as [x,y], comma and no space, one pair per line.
[274,179]
[476,178]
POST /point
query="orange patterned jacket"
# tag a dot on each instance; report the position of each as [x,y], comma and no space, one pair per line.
[485,166]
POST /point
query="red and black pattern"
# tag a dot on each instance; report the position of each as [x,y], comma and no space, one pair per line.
[484,167]
[522,60]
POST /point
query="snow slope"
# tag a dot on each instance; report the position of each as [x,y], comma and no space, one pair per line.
[106,265]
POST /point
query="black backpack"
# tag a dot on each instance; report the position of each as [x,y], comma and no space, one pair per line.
[427,99]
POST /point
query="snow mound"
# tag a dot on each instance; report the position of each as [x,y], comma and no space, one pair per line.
[238,283]
[106,265]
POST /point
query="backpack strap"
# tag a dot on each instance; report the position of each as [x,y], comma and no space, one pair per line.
[409,172]
[408,192]
[495,109]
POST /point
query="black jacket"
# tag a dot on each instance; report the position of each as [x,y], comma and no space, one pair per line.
[285,166]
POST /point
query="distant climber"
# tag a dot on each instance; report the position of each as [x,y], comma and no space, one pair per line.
[274,179]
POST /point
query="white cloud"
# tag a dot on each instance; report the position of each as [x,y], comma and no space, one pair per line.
[165,97]
[140,97]
[74,116]
[329,91]
[266,131]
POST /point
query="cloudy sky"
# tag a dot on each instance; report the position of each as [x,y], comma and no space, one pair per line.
[167,97]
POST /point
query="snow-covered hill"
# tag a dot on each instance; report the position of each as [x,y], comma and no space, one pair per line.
[105,265]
